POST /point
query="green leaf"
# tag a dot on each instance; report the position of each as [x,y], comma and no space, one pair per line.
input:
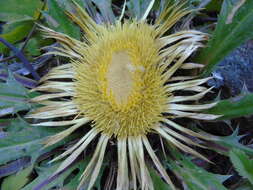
[19,30]
[17,181]
[105,7]
[7,88]
[75,180]
[214,5]
[232,141]
[159,184]
[235,107]
[194,177]
[242,164]
[33,47]
[234,27]
[27,142]
[14,124]
[245,186]
[47,171]
[13,97]
[59,21]
[14,10]
[138,8]
[19,17]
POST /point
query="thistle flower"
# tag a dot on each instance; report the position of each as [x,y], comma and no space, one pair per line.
[121,80]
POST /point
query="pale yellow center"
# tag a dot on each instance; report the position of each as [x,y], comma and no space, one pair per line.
[119,76]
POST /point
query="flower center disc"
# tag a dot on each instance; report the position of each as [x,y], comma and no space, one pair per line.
[119,84]
[119,77]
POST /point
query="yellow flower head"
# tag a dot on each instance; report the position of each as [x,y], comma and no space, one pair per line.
[122,80]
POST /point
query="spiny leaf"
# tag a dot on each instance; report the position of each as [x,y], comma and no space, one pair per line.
[105,7]
[245,186]
[14,166]
[16,34]
[213,5]
[194,177]
[242,163]
[21,57]
[14,10]
[13,97]
[27,142]
[19,17]
[234,107]
[43,174]
[27,82]
[234,27]
[59,21]
[33,47]
[159,184]
[14,124]
[138,8]
[232,141]
[42,182]
[75,180]
[17,181]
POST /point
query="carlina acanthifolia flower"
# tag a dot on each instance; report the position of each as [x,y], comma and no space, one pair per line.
[121,80]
